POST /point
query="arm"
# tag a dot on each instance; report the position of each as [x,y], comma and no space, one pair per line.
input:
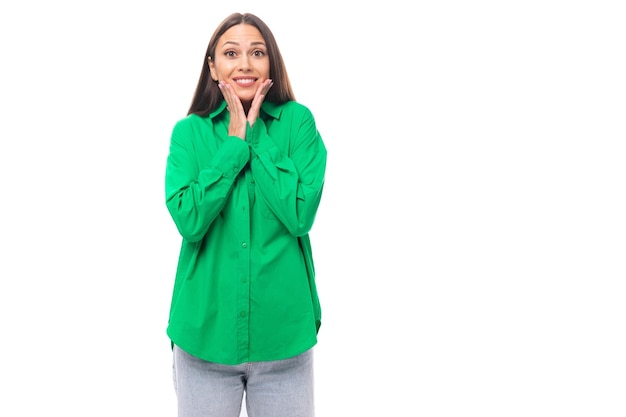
[291,185]
[197,186]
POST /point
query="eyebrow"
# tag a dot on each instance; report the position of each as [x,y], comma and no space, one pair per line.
[237,43]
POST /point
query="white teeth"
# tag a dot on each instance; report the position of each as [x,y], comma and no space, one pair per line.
[245,81]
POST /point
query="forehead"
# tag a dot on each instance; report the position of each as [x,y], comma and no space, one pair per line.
[241,34]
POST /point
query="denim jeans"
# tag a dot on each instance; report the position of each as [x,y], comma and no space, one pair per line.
[281,388]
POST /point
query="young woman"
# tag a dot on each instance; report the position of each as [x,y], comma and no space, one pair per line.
[243,183]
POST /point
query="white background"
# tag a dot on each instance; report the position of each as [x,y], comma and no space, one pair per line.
[470,245]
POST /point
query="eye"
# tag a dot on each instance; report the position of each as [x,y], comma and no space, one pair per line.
[230,53]
[259,53]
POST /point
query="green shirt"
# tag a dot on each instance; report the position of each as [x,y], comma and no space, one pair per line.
[245,282]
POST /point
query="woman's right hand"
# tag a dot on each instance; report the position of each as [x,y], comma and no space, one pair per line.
[259,97]
[238,120]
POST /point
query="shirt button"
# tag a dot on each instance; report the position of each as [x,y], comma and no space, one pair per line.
[242,314]
[244,245]
[244,279]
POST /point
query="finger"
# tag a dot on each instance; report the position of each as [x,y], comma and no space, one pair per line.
[232,101]
[224,91]
[265,87]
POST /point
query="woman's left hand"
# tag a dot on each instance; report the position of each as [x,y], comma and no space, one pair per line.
[260,95]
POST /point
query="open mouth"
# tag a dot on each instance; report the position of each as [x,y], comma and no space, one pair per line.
[245,82]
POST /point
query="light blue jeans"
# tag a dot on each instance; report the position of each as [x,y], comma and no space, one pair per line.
[273,389]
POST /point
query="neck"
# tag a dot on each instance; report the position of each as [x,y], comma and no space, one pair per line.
[246,107]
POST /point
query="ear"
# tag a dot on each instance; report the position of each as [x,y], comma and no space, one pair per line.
[212,69]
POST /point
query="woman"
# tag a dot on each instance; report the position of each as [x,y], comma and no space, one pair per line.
[244,179]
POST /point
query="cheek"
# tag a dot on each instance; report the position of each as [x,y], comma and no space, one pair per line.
[266,70]
[219,71]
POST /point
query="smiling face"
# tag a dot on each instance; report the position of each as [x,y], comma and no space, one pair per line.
[241,60]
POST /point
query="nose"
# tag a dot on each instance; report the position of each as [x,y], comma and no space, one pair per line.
[244,64]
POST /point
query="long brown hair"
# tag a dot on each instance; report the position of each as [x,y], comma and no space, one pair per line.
[208,95]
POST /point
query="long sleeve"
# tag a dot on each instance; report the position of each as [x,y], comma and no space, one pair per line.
[199,179]
[290,176]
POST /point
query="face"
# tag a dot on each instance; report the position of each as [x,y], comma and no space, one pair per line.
[241,60]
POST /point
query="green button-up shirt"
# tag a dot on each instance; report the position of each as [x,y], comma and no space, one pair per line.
[245,282]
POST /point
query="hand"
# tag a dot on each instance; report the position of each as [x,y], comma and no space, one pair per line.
[238,118]
[237,125]
[260,95]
